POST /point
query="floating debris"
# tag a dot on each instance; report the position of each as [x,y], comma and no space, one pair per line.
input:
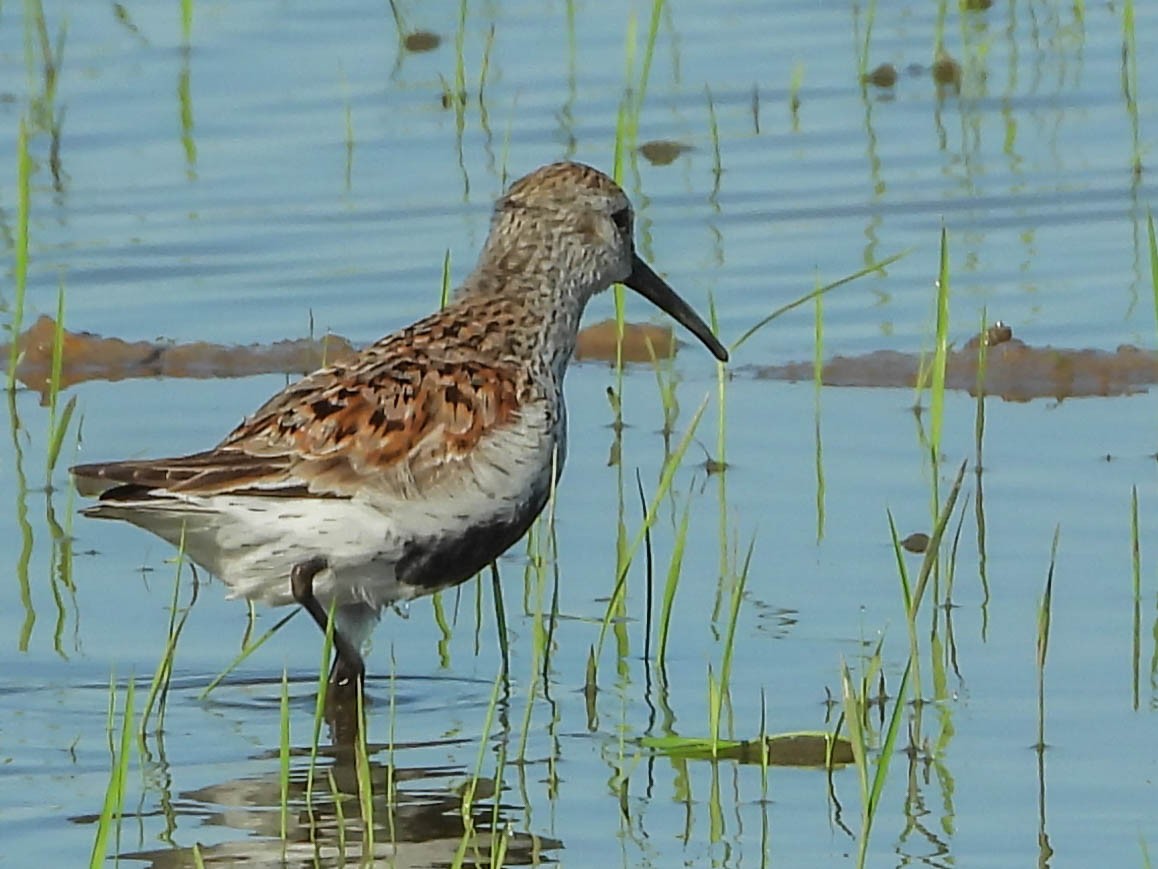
[815,749]
[662,152]
[947,72]
[917,542]
[421,41]
[884,76]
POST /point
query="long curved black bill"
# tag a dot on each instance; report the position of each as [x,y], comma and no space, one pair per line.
[653,288]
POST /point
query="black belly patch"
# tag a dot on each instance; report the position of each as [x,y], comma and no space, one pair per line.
[437,562]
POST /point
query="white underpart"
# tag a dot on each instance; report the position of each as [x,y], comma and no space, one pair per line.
[251,542]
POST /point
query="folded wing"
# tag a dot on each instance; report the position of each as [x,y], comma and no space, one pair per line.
[400,423]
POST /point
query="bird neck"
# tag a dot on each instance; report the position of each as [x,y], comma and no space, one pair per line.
[547,296]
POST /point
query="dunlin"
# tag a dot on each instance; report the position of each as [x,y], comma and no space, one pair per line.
[413,465]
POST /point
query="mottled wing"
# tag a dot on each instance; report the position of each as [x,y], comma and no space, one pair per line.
[401,425]
[394,418]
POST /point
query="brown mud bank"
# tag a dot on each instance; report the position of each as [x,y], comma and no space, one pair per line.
[1014,370]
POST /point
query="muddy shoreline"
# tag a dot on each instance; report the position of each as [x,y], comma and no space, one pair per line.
[1014,370]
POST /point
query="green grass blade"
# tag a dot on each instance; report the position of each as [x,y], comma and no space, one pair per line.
[888,748]
[1044,617]
[667,604]
[284,757]
[444,296]
[246,651]
[879,266]
[57,432]
[113,805]
[162,676]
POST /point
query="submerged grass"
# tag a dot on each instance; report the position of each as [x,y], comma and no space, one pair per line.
[323,684]
[649,49]
[714,134]
[817,383]
[914,592]
[247,649]
[856,705]
[1136,573]
[667,602]
[627,131]
[720,689]
[484,70]
[795,85]
[1152,240]
[940,361]
[162,677]
[1130,84]
[979,469]
[27,536]
[719,463]
[350,140]
[43,60]
[1044,618]
[109,822]
[185,103]
[58,422]
[866,45]
[667,386]
[470,789]
[542,568]
[667,475]
[20,248]
[856,700]
[500,620]
[362,770]
[649,572]
[60,565]
[460,63]
[284,759]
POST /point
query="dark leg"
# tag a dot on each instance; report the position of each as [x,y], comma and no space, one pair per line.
[348,668]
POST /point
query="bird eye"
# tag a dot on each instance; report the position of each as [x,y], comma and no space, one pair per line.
[622,219]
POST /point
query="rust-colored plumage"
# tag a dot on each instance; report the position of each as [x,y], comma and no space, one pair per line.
[399,416]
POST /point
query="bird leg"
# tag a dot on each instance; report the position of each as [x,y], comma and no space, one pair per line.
[348,669]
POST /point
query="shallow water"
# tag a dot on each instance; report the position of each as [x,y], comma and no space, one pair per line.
[296,166]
